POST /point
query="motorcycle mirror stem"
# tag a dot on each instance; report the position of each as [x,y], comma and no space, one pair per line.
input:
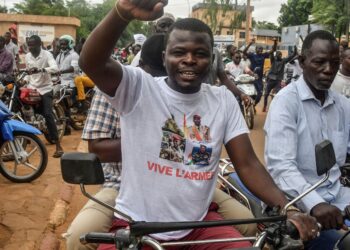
[325,160]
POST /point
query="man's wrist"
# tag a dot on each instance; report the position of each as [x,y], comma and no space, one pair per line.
[120,13]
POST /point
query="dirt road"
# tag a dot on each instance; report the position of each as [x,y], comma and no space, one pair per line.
[25,208]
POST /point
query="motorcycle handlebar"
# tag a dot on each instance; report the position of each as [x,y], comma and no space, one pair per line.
[100,238]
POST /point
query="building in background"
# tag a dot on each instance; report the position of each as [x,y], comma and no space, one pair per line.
[47,27]
[228,22]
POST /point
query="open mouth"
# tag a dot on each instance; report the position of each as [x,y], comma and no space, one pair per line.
[188,75]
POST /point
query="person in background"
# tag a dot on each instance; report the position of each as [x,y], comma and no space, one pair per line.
[67,61]
[341,83]
[161,26]
[276,72]
[41,64]
[6,61]
[12,48]
[257,60]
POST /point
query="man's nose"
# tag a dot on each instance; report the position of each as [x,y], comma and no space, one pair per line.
[189,58]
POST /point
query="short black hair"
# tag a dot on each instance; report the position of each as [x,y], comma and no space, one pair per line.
[2,39]
[36,38]
[190,24]
[318,34]
[152,52]
[8,33]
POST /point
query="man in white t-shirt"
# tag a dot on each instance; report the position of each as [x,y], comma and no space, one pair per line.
[235,68]
[156,111]
[341,83]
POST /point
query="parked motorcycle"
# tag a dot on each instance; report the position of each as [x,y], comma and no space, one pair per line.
[24,103]
[65,96]
[23,156]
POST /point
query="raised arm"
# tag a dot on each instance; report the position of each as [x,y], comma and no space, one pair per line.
[245,51]
[95,59]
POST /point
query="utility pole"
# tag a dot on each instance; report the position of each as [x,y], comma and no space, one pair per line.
[247,23]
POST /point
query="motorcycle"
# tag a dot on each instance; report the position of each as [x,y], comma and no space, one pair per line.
[245,83]
[279,234]
[23,156]
[24,102]
[64,96]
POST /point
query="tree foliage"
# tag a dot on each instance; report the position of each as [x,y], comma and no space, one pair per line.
[334,14]
[3,9]
[89,15]
[265,25]
[213,8]
[295,12]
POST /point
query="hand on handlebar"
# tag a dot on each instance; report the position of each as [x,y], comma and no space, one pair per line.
[306,225]
[35,71]
[246,99]
[329,216]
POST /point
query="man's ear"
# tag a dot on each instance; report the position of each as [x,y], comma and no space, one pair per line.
[301,59]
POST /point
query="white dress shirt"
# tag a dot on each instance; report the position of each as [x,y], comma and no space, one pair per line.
[296,122]
[41,81]
[66,60]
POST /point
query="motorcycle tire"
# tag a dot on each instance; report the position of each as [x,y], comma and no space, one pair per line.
[249,116]
[75,122]
[29,169]
[60,120]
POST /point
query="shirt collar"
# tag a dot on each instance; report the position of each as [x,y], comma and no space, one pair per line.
[305,93]
[39,56]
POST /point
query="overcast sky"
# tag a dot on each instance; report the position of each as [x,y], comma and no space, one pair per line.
[265,10]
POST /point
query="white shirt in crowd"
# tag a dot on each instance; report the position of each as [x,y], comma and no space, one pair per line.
[236,70]
[341,84]
[177,159]
[41,81]
[64,61]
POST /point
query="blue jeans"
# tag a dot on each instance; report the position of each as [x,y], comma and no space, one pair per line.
[326,241]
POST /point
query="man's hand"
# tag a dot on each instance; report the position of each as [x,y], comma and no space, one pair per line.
[246,99]
[306,225]
[329,216]
[33,71]
[145,10]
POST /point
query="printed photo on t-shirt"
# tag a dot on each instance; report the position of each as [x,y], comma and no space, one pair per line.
[173,142]
[190,147]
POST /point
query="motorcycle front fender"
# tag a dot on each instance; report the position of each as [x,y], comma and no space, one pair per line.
[10,126]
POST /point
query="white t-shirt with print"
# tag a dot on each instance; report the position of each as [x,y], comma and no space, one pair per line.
[171,162]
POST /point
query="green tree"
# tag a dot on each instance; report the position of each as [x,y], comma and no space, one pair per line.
[3,9]
[295,12]
[213,8]
[333,14]
[41,7]
[265,25]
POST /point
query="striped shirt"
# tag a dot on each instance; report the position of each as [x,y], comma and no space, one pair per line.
[103,122]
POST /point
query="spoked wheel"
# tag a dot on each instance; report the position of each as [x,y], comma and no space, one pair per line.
[24,159]
[249,116]
[60,120]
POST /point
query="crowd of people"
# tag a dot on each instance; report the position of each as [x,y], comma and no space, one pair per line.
[162,104]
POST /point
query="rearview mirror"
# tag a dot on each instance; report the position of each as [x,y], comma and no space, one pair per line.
[325,157]
[81,168]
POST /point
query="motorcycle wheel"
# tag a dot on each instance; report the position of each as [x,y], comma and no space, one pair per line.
[60,120]
[249,116]
[77,119]
[33,160]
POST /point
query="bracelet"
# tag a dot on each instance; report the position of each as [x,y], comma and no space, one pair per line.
[120,15]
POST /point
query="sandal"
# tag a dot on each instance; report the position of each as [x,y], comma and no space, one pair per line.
[58,154]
